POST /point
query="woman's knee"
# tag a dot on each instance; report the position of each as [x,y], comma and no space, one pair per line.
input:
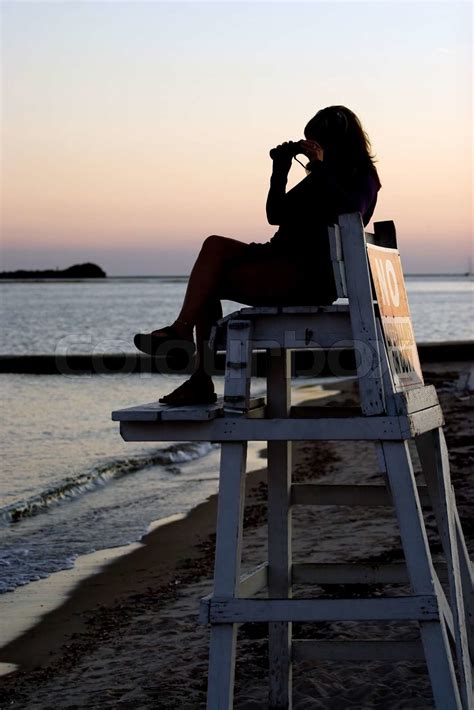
[214,243]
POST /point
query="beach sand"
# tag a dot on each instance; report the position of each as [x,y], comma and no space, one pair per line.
[127,636]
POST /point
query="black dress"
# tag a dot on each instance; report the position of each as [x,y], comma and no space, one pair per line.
[304,214]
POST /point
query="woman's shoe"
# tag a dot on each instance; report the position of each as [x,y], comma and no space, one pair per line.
[149,342]
[196,390]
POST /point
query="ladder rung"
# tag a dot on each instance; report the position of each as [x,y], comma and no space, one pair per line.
[336,573]
[309,650]
[240,611]
[333,573]
[317,494]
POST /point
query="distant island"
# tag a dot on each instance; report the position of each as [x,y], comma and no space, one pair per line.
[76,271]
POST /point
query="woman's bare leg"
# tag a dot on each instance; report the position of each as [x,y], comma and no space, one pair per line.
[276,281]
[216,251]
[209,316]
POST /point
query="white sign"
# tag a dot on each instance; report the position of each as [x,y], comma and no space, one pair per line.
[387,275]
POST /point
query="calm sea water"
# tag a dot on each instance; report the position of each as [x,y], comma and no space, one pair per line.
[68,483]
[102,316]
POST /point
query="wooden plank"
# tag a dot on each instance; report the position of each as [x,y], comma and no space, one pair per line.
[149,412]
[363,650]
[332,323]
[279,529]
[275,311]
[220,682]
[364,332]
[436,469]
[342,573]
[335,249]
[352,495]
[238,367]
[415,399]
[407,506]
[335,246]
[467,581]
[425,420]
[426,451]
[420,570]
[154,411]
[204,609]
[193,412]
[444,607]
[257,310]
[227,571]
[419,608]
[241,428]
[310,310]
[391,407]
[254,581]
[229,518]
[299,330]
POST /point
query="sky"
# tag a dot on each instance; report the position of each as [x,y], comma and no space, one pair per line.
[132,130]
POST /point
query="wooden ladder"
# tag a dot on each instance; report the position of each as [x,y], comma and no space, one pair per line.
[395,407]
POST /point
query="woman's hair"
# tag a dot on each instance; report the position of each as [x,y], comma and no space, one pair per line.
[341,135]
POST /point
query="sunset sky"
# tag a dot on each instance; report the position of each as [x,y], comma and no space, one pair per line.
[132,130]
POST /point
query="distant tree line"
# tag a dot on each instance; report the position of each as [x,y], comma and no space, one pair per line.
[76,271]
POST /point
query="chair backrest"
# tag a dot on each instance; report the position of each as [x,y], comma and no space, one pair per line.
[368,271]
[384,235]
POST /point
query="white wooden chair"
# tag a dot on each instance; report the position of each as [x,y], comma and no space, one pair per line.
[395,407]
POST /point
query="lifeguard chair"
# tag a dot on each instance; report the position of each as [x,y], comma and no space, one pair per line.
[395,406]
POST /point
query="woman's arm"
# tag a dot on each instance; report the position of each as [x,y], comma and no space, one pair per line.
[282,156]
[276,196]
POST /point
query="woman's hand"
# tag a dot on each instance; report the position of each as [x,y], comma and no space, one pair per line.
[282,155]
[312,150]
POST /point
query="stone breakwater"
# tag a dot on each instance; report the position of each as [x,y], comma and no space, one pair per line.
[308,363]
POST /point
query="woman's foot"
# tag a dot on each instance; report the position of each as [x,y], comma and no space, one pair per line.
[176,333]
[199,389]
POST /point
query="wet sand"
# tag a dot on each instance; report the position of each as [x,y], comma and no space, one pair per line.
[127,636]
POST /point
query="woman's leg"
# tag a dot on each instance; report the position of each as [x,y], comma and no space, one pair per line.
[208,317]
[199,300]
[276,281]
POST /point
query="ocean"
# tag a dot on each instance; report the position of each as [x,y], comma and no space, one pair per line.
[69,485]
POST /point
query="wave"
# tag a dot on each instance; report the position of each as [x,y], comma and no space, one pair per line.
[101,475]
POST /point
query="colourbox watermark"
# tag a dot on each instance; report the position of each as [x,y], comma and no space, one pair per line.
[344,358]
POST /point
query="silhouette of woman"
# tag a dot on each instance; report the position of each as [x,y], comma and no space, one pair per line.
[294,267]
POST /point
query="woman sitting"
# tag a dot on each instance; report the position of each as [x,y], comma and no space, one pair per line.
[294,267]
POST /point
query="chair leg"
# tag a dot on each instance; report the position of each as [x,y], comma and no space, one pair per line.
[279,533]
[227,572]
[467,581]
[434,458]
[420,571]
[238,367]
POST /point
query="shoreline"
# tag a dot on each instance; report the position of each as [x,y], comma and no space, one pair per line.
[156,559]
[29,611]
[156,588]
